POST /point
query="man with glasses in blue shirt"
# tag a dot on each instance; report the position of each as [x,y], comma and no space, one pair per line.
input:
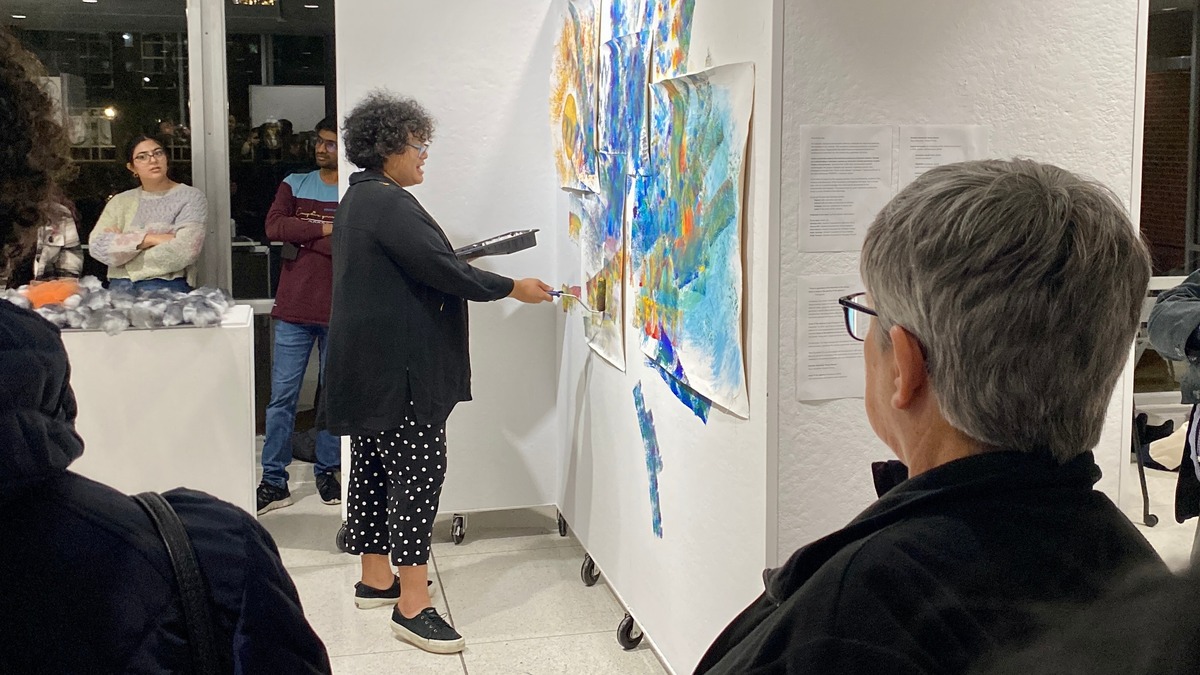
[302,217]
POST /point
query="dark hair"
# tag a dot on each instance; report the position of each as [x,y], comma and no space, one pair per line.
[381,125]
[138,140]
[327,124]
[34,152]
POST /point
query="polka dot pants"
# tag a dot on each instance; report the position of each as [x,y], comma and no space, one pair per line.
[395,481]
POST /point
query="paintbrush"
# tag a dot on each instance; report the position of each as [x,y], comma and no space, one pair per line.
[601,297]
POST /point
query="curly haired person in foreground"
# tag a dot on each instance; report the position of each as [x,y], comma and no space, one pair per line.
[86,584]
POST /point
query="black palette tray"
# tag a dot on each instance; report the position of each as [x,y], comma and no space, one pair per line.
[511,242]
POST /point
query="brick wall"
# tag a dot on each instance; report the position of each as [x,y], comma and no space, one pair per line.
[1164,168]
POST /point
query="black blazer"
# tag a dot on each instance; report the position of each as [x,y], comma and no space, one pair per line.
[950,567]
[398,327]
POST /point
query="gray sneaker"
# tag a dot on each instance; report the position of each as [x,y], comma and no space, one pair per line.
[428,631]
[270,497]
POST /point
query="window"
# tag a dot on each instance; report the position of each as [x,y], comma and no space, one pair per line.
[112,81]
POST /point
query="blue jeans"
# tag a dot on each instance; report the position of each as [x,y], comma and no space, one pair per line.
[293,344]
[179,285]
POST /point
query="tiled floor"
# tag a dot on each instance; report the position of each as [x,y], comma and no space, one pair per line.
[512,588]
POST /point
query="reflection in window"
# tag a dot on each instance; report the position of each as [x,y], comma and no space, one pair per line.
[110,87]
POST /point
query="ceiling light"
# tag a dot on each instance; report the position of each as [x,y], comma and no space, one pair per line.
[110,112]
[145,79]
[20,16]
[91,2]
[312,7]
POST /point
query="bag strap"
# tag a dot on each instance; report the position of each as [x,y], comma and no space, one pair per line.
[197,614]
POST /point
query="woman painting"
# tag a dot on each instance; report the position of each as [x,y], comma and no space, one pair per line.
[151,236]
[397,361]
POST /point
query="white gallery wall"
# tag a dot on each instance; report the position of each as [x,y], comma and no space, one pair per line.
[553,423]
[684,588]
[1053,81]
[482,70]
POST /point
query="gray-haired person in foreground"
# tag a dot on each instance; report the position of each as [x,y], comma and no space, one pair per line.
[1002,299]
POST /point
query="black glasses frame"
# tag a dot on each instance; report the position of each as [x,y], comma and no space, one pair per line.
[848,303]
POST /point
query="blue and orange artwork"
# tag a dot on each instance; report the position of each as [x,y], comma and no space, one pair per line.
[654,463]
[686,233]
[602,259]
[624,95]
[573,96]
[673,37]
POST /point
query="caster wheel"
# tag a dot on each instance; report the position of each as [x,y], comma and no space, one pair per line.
[458,531]
[341,539]
[625,634]
[562,526]
[588,573]
[1151,520]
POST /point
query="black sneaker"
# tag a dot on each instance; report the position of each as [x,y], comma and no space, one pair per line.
[329,487]
[271,497]
[369,597]
[428,631]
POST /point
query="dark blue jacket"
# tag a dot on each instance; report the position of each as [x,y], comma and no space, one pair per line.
[86,585]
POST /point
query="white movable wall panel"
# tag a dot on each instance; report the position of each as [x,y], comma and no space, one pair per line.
[685,587]
[482,70]
[1055,82]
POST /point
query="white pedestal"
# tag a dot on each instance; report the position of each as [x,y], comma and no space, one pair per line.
[168,408]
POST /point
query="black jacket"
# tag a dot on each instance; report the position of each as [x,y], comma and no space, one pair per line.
[86,585]
[939,572]
[398,329]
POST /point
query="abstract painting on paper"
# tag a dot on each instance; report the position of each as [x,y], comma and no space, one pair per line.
[686,233]
[631,16]
[602,260]
[673,36]
[573,96]
[654,463]
[624,97]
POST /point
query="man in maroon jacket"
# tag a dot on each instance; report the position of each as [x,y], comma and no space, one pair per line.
[301,217]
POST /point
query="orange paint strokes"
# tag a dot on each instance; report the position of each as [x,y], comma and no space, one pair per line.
[688,226]
[575,226]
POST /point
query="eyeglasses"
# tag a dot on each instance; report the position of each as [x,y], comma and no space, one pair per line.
[143,157]
[327,146]
[858,315]
[422,149]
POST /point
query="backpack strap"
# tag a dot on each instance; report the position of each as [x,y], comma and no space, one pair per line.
[197,614]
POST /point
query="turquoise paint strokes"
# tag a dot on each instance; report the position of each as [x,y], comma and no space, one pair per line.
[654,463]
[685,239]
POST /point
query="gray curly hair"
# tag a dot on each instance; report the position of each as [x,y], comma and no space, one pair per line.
[382,125]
